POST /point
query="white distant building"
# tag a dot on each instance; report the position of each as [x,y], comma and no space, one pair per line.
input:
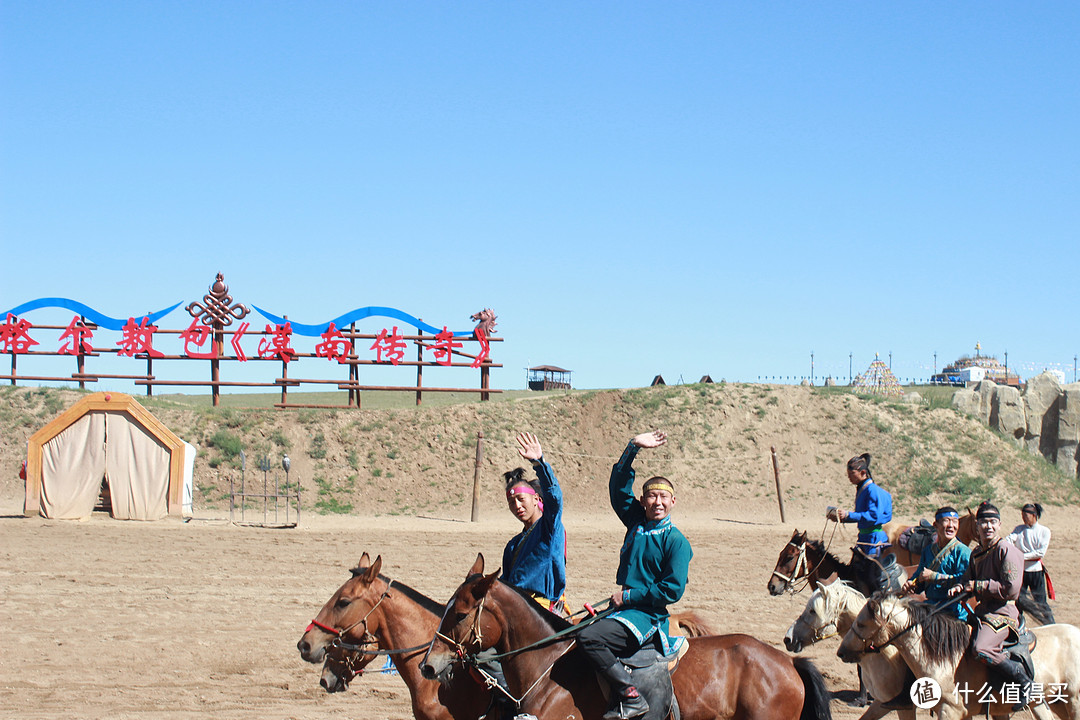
[1059,374]
[973,374]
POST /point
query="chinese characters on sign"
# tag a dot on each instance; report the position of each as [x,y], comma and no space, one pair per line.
[137,339]
[217,331]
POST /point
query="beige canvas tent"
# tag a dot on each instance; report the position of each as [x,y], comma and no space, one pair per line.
[105,438]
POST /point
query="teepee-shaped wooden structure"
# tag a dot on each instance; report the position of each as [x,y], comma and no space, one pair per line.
[878,380]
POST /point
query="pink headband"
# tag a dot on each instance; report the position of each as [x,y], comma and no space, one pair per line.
[525,490]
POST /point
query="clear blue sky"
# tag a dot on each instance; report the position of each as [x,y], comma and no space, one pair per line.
[635,188]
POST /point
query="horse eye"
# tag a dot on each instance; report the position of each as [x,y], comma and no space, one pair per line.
[458,617]
[343,602]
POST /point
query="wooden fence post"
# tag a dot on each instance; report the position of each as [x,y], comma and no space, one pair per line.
[776,474]
[476,475]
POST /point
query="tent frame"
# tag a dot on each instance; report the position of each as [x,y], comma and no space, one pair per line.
[104,402]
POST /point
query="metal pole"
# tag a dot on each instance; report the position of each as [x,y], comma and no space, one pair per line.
[232,500]
[776,474]
[476,475]
[811,367]
[849,355]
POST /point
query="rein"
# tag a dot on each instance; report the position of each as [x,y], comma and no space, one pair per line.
[489,680]
[802,567]
[934,611]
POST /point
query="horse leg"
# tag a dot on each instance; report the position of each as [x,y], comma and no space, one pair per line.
[875,711]
[863,698]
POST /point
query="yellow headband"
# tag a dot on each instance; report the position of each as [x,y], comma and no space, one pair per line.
[659,485]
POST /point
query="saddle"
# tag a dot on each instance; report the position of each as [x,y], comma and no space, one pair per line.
[879,574]
[917,537]
[651,671]
[1019,645]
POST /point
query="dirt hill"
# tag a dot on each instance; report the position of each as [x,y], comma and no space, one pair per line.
[420,461]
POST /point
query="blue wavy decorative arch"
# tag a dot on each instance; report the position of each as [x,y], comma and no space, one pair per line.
[99,318]
[353,315]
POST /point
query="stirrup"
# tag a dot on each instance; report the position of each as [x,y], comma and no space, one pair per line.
[628,706]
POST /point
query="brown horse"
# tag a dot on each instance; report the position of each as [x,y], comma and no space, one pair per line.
[809,560]
[371,611]
[720,676]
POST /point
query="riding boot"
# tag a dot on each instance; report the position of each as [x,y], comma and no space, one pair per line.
[1013,671]
[902,700]
[626,701]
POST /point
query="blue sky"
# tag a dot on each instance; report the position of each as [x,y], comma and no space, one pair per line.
[635,188]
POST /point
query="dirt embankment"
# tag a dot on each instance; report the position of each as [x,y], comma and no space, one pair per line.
[420,461]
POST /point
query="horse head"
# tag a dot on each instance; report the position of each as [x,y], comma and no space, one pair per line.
[965,530]
[788,568]
[879,618]
[466,628]
[817,621]
[346,618]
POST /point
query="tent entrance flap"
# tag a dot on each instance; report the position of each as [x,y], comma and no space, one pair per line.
[108,448]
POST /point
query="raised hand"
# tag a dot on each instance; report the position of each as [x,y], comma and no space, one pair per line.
[652,439]
[530,447]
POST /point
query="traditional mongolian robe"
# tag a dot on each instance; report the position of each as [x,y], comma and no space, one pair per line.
[654,561]
[535,559]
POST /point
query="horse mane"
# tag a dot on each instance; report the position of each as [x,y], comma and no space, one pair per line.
[944,637]
[819,547]
[553,621]
[435,608]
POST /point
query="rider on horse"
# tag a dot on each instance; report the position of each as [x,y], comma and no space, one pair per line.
[653,566]
[943,563]
[535,559]
[994,578]
[873,508]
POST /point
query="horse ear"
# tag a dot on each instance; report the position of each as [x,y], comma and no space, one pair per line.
[373,571]
[478,566]
[483,585]
[364,561]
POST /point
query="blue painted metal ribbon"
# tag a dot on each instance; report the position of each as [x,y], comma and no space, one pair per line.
[353,315]
[99,318]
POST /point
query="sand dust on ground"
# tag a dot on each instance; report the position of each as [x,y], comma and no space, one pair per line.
[111,619]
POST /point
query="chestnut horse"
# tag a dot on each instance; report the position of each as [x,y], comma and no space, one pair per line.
[370,611]
[720,676]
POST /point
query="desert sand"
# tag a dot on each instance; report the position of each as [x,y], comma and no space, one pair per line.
[170,619]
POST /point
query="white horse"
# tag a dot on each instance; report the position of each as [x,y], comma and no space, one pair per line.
[934,646]
[830,611]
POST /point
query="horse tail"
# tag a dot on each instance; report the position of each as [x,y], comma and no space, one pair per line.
[691,624]
[816,704]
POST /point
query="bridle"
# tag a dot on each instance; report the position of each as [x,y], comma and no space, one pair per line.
[356,650]
[801,569]
[475,639]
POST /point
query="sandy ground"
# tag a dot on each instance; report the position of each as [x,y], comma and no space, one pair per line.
[200,619]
